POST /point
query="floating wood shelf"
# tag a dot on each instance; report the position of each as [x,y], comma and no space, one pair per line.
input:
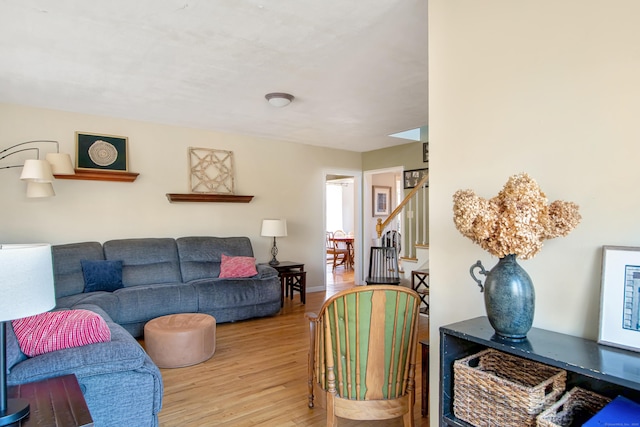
[217,198]
[100,175]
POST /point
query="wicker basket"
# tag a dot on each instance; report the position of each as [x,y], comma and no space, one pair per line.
[495,389]
[573,409]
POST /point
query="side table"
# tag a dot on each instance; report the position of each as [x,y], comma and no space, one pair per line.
[54,402]
[292,277]
[425,377]
[422,287]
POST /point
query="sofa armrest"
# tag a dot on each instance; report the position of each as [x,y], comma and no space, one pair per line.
[265,271]
[122,353]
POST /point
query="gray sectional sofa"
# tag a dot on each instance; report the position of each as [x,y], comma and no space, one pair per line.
[160,276]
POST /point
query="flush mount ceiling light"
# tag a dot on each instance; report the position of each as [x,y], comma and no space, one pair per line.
[279,99]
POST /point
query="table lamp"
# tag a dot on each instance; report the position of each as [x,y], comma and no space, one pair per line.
[26,286]
[274,228]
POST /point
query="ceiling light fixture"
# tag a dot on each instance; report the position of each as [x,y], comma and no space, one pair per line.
[279,99]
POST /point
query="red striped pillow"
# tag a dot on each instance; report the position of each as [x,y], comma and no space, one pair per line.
[57,330]
[237,266]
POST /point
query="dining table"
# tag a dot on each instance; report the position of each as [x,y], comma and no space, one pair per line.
[347,261]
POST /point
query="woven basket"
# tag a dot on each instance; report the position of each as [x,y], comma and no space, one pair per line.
[573,409]
[495,389]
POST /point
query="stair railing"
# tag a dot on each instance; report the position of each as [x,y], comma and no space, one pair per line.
[415,226]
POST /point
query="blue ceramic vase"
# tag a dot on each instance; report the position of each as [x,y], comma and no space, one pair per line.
[509,298]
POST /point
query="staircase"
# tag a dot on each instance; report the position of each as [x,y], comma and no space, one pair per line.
[413,215]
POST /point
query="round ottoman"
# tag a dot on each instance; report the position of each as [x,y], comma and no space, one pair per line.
[179,340]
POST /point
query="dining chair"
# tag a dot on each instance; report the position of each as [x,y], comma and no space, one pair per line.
[337,254]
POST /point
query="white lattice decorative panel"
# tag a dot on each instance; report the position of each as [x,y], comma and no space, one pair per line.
[211,171]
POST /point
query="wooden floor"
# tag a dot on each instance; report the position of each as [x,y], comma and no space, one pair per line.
[258,374]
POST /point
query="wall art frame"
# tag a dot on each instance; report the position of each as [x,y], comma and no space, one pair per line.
[620,297]
[425,152]
[102,152]
[381,200]
[211,171]
[412,177]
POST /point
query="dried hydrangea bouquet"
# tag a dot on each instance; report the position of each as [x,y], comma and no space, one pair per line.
[512,224]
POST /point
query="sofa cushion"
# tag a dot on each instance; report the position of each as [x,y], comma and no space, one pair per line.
[200,256]
[67,269]
[145,261]
[51,331]
[145,302]
[107,301]
[101,275]
[14,354]
[215,294]
[237,266]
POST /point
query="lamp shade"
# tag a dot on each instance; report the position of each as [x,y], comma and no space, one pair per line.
[60,163]
[274,228]
[26,281]
[39,189]
[36,170]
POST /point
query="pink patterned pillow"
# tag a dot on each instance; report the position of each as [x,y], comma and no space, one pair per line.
[237,266]
[56,330]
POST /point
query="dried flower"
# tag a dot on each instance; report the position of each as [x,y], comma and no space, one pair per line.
[516,221]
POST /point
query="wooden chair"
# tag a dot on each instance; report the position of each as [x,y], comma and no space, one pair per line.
[329,246]
[362,354]
[383,266]
[338,253]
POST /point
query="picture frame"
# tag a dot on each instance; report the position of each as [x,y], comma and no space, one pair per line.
[425,152]
[211,171]
[620,297]
[412,177]
[100,151]
[381,200]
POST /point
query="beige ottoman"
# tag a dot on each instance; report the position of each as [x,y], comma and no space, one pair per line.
[179,340]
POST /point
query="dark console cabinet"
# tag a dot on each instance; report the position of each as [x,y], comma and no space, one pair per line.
[605,370]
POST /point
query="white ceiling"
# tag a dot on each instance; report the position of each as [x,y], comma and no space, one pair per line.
[358,69]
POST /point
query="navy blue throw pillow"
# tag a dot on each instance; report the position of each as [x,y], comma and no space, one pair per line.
[102,275]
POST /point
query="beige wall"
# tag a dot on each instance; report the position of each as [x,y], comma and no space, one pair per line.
[286,179]
[546,87]
[407,155]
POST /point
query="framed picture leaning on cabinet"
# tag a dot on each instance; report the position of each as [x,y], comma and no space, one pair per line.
[620,297]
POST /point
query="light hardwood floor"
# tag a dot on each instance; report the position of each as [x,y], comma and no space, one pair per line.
[258,374]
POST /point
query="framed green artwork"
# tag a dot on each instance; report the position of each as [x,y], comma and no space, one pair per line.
[104,152]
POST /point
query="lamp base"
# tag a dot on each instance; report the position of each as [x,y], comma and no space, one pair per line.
[17,409]
[274,252]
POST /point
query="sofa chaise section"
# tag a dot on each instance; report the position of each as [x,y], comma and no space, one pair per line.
[120,383]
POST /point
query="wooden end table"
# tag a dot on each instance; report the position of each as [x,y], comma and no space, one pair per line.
[421,287]
[286,270]
[425,377]
[54,402]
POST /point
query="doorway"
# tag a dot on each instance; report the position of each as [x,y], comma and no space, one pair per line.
[391,179]
[342,211]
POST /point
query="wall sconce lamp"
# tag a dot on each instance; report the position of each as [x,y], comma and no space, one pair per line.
[274,228]
[39,173]
[279,99]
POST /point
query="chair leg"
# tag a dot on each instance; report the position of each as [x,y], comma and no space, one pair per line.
[332,420]
[407,419]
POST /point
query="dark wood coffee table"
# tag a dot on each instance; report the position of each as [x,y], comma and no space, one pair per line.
[54,402]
